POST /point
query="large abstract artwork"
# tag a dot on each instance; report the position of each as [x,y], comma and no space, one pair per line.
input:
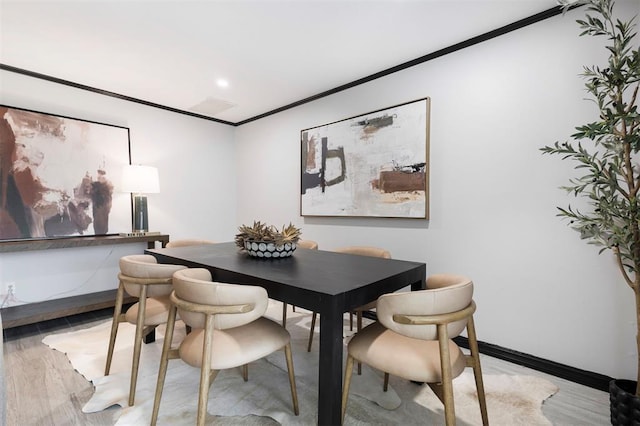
[373,165]
[59,176]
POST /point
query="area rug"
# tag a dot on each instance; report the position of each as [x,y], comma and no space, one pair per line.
[266,399]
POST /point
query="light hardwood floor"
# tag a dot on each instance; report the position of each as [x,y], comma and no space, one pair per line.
[43,389]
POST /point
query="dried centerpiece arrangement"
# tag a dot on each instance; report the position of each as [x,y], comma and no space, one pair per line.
[266,241]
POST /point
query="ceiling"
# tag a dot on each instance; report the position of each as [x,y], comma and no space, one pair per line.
[272,52]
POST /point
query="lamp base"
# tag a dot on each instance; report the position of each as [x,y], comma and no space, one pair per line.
[140,215]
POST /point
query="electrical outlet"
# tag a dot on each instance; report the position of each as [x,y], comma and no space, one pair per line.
[8,295]
[6,286]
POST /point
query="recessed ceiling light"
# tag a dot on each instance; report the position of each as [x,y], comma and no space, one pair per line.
[221,82]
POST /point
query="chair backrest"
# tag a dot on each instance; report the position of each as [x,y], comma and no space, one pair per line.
[196,285]
[144,268]
[450,293]
[365,251]
[307,244]
[188,242]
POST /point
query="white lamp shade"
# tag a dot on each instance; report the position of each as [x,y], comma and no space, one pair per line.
[140,179]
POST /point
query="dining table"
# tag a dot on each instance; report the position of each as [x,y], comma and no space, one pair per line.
[321,281]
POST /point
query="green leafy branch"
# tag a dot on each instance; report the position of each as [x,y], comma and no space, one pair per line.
[611,179]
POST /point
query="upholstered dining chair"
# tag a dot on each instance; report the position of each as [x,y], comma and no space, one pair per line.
[142,277]
[188,242]
[307,244]
[228,330]
[412,340]
[360,251]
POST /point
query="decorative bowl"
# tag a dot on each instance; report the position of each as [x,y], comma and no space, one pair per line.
[268,249]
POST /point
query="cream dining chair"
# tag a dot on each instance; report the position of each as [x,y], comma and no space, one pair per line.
[360,251]
[412,340]
[306,244]
[188,242]
[142,277]
[228,330]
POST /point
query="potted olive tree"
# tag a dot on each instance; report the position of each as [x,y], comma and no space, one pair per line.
[606,153]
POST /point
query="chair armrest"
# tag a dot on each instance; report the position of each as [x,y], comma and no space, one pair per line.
[209,309]
[436,319]
[144,281]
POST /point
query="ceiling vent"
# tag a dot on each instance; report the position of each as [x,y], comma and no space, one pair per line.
[212,106]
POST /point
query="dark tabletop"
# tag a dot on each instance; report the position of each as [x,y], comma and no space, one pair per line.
[304,278]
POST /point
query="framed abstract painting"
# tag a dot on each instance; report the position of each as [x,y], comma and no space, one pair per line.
[59,176]
[372,165]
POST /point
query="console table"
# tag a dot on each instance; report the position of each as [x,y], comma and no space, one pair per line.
[14,316]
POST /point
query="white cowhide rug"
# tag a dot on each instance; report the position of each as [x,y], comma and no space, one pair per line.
[266,399]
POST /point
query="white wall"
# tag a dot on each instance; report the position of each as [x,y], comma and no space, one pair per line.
[539,288]
[197,186]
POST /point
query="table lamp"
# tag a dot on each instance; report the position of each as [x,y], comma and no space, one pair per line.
[140,180]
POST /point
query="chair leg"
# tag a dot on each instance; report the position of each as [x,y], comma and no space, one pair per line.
[164,360]
[292,378]
[205,370]
[137,344]
[477,371]
[245,372]
[117,311]
[284,314]
[358,328]
[347,383]
[313,326]
[447,376]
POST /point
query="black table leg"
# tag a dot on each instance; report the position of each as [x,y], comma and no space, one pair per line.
[330,367]
[151,337]
[419,285]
